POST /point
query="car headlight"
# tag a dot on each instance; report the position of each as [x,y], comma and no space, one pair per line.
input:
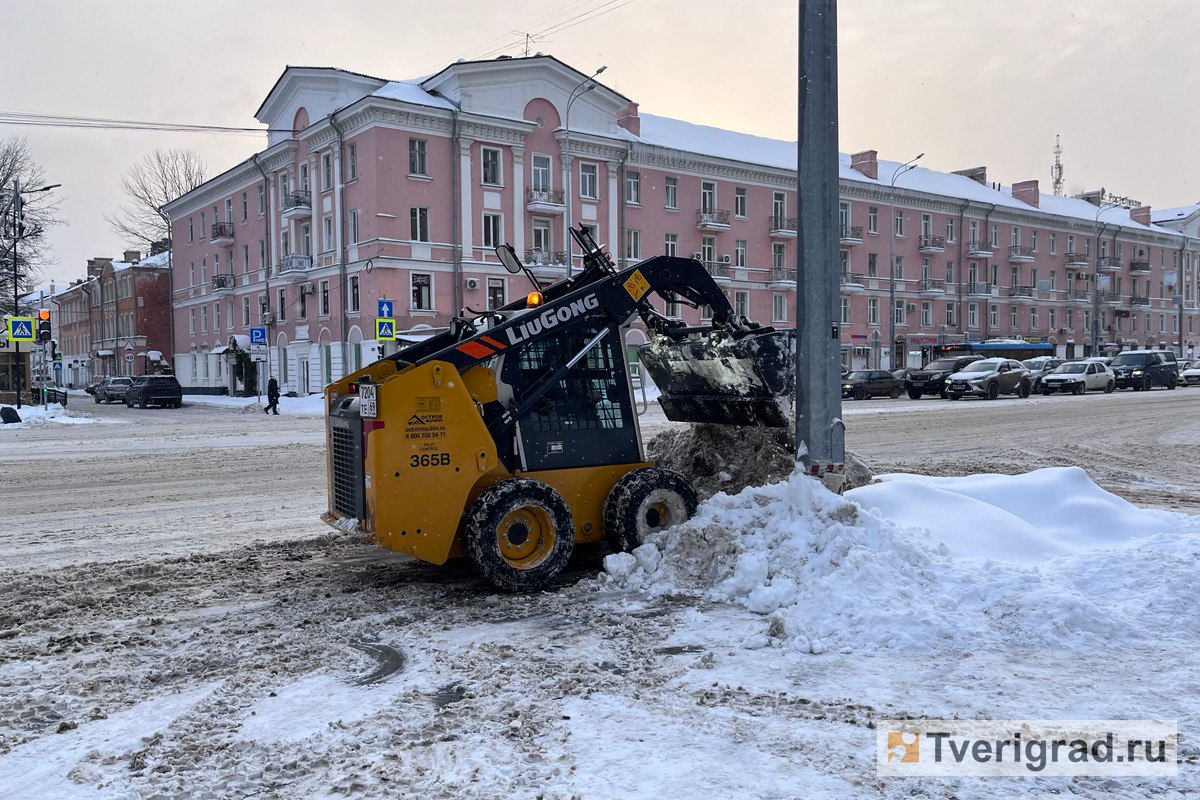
[847,386]
[1137,372]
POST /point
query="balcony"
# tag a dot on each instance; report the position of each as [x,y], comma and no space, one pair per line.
[1138,300]
[852,283]
[1079,297]
[222,284]
[783,277]
[1021,294]
[851,235]
[932,287]
[720,271]
[1139,266]
[222,233]
[928,244]
[296,205]
[980,249]
[979,289]
[1076,260]
[545,201]
[784,227]
[1108,264]
[1019,254]
[1109,298]
[712,220]
[296,264]
[547,263]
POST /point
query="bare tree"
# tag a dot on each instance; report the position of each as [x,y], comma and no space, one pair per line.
[159,178]
[40,213]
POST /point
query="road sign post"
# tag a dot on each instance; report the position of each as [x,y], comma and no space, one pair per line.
[385,308]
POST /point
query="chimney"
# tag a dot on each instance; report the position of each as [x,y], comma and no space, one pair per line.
[1095,197]
[866,162]
[131,256]
[1140,214]
[628,119]
[977,174]
[1027,192]
[96,266]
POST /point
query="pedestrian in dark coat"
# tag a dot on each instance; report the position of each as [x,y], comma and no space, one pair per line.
[272,397]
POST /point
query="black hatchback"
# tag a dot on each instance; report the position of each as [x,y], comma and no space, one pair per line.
[159,390]
[931,378]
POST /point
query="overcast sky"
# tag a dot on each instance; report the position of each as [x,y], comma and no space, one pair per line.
[968,82]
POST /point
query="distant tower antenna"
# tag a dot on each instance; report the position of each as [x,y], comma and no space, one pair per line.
[1056,171]
[530,38]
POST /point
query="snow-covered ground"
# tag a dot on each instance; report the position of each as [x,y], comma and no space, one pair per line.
[309,406]
[53,414]
[748,653]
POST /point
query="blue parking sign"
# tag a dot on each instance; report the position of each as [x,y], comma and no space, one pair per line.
[385,308]
[258,335]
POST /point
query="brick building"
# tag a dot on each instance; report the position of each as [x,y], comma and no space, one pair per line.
[373,189]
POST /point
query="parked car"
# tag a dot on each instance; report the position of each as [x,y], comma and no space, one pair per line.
[160,390]
[1039,367]
[1105,360]
[900,374]
[111,389]
[931,378]
[91,387]
[990,378]
[1079,377]
[1190,375]
[1142,370]
[845,370]
[865,383]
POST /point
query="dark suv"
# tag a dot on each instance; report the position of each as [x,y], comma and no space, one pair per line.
[931,378]
[160,390]
[865,383]
[1144,369]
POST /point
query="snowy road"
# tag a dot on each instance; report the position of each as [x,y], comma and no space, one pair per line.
[176,622]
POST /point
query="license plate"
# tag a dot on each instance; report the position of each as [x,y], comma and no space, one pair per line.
[368,408]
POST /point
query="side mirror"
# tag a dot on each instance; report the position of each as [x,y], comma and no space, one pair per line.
[508,257]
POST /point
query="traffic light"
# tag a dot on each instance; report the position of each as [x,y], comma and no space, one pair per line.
[19,215]
[44,325]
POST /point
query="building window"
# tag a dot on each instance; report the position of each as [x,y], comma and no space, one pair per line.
[672,192]
[672,309]
[1053,243]
[899,313]
[926,224]
[304,177]
[671,244]
[845,310]
[245,207]
[950,230]
[352,161]
[1033,241]
[495,293]
[490,158]
[204,319]
[192,320]
[326,172]
[872,265]
[708,197]
[492,236]
[245,258]
[246,311]
[589,181]
[419,224]
[898,223]
[324,298]
[1033,319]
[972,315]
[926,313]
[741,303]
[301,305]
[994,316]
[354,226]
[872,311]
[422,291]
[541,171]
[949,313]
[416,157]
[739,253]
[899,273]
[282,305]
[262,200]
[708,249]
[778,255]
[872,219]
[739,202]
[542,240]
[633,188]
[327,234]
[633,244]
[354,300]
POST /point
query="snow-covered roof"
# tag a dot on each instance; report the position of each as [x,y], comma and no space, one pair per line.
[718,142]
[157,261]
[410,92]
[1174,214]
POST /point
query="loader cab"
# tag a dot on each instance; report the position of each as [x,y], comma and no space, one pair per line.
[587,417]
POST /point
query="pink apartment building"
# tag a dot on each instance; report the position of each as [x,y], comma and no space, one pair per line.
[372,189]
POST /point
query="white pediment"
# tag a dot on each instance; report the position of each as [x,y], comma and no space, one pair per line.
[318,90]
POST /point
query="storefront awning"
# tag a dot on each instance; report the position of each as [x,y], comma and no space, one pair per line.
[216,351]
[104,353]
[154,355]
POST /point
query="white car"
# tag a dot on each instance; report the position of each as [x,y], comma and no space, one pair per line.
[1078,377]
[1190,375]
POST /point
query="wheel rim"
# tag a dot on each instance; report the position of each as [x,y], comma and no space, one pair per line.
[526,536]
[661,509]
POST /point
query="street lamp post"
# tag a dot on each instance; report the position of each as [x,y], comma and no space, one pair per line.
[587,85]
[18,234]
[900,170]
[1096,281]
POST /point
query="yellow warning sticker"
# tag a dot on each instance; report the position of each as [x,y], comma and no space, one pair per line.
[637,285]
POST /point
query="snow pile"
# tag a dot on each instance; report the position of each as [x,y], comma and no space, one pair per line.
[725,458]
[54,414]
[312,405]
[829,574]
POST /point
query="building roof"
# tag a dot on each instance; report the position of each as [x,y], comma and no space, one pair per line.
[158,261]
[1174,214]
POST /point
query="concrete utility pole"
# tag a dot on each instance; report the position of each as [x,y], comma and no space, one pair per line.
[820,433]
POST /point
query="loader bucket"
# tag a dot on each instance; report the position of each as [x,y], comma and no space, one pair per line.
[724,381]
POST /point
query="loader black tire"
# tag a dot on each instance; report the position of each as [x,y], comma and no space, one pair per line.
[520,534]
[643,502]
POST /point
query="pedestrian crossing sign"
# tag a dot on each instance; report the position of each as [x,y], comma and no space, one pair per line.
[385,329]
[20,329]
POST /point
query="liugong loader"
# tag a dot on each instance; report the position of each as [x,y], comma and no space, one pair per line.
[514,434]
